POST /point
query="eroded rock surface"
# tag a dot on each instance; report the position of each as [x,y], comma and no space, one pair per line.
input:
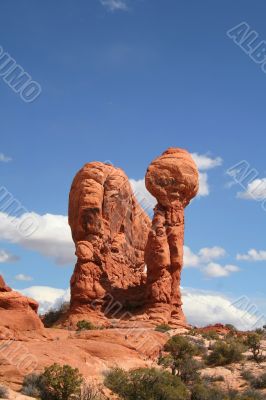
[110,232]
[172,179]
[17,312]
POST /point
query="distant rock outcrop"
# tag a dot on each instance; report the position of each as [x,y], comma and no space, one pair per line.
[17,312]
[110,232]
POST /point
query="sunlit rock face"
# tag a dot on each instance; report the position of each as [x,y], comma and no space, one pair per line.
[173,179]
[122,257]
[110,232]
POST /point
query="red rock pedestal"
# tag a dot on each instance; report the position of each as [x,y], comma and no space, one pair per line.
[110,232]
[173,179]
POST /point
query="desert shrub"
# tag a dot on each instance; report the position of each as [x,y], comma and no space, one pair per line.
[247,375]
[250,395]
[91,392]
[180,358]
[85,326]
[180,346]
[52,316]
[163,328]
[146,384]
[31,385]
[210,335]
[231,327]
[253,342]
[259,382]
[202,391]
[186,368]
[60,383]
[224,353]
[3,393]
[213,378]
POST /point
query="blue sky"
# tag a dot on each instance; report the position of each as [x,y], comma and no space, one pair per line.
[122,80]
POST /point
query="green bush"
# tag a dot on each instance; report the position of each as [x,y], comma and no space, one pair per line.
[259,382]
[180,358]
[91,392]
[253,342]
[210,335]
[60,383]
[146,384]
[202,391]
[3,393]
[163,328]
[224,353]
[85,326]
[250,395]
[52,316]
[231,327]
[31,385]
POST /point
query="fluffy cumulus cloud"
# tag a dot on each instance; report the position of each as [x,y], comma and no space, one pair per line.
[6,257]
[115,5]
[51,236]
[204,164]
[48,298]
[204,260]
[253,255]
[255,190]
[4,158]
[214,270]
[201,308]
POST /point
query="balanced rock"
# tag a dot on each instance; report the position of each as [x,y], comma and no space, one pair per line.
[110,232]
[172,179]
[17,312]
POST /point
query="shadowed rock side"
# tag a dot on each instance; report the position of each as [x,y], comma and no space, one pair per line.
[173,179]
[17,312]
[110,232]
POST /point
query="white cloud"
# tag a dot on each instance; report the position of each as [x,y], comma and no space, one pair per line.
[214,270]
[114,5]
[204,261]
[210,253]
[204,189]
[23,278]
[253,255]
[51,239]
[47,297]
[202,308]
[6,257]
[4,158]
[256,190]
[206,254]
[205,162]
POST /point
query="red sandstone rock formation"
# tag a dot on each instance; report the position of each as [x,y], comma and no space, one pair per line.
[173,179]
[110,232]
[17,312]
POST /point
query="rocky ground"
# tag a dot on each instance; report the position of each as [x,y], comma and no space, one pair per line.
[94,352]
